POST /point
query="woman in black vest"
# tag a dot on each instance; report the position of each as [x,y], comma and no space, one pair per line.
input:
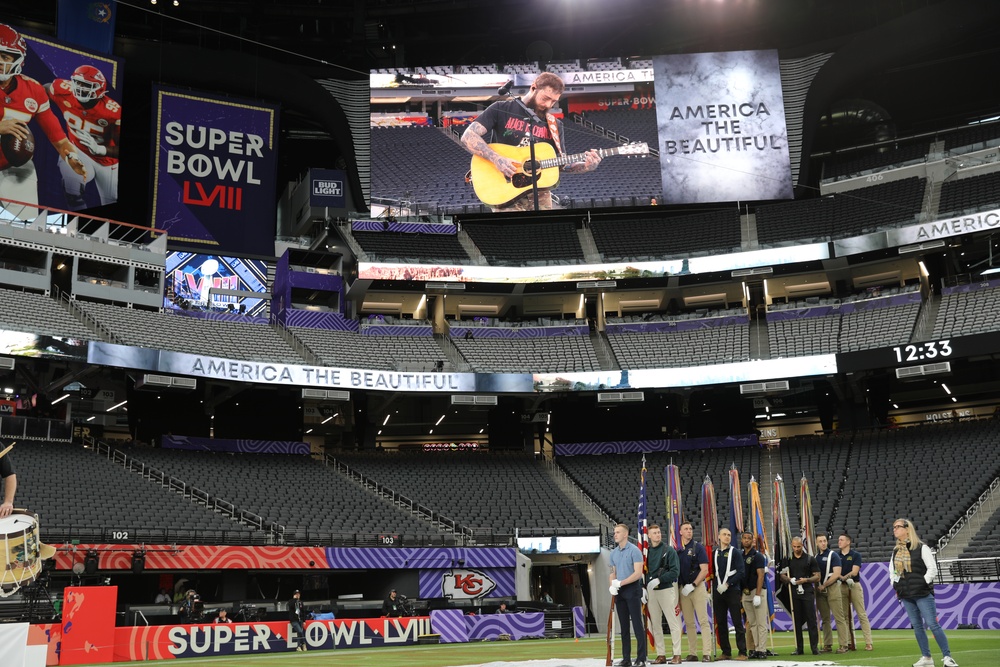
[912,573]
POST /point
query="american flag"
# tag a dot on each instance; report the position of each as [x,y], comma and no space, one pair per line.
[642,526]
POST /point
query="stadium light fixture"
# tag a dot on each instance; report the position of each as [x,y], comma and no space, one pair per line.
[8,390]
[309,431]
[61,398]
[995,269]
[91,418]
[954,400]
[440,419]
[760,417]
[326,420]
[945,387]
[481,431]
[895,406]
[385,421]
[116,406]
[778,414]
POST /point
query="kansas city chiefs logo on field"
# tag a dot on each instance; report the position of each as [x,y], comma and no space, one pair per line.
[466,584]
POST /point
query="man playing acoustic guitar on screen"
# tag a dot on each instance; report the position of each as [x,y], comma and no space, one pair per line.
[499,172]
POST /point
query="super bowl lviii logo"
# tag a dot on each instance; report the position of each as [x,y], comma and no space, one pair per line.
[462,584]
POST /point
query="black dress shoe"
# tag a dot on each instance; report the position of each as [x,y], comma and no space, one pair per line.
[624,663]
[798,653]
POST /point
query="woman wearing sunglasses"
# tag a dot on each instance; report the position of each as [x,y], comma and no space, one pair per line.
[912,571]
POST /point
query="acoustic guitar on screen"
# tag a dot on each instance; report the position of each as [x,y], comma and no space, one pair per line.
[495,189]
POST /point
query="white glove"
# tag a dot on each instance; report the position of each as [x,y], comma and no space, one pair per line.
[793,581]
[653,583]
[687,590]
[615,585]
[722,588]
[88,141]
[645,596]
[850,582]
[756,600]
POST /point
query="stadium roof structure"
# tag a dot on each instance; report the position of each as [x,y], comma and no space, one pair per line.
[898,68]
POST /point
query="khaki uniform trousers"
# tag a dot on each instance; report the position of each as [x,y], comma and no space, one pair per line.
[855,595]
[696,605]
[830,601]
[664,601]
[758,624]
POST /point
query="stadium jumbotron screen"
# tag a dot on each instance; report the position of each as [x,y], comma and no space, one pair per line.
[677,129]
[190,276]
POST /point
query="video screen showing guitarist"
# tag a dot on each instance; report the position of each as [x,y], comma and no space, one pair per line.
[507,123]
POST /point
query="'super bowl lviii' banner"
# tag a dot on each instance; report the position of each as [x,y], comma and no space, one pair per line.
[214,163]
[69,101]
[160,642]
[721,125]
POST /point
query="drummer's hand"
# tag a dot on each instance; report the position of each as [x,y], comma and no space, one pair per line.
[6,509]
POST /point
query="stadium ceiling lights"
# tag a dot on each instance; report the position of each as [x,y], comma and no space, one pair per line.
[118,405]
[920,247]
[61,398]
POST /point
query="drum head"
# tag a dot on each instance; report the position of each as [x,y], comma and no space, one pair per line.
[19,545]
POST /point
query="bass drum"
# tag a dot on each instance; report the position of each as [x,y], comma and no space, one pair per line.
[23,550]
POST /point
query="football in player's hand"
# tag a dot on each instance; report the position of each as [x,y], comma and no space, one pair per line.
[17,150]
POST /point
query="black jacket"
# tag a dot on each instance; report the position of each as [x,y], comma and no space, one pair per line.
[392,608]
[296,610]
[913,585]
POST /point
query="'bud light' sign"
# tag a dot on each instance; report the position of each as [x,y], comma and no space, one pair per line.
[327,188]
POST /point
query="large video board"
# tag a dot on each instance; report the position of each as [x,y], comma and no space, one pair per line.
[685,129]
[191,276]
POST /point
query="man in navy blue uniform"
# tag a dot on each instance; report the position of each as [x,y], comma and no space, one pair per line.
[729,573]
[854,593]
[626,585]
[694,596]
[828,597]
[755,606]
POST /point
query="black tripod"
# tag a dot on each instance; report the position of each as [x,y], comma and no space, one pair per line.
[38,602]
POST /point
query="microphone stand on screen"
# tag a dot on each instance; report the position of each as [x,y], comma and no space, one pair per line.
[530,120]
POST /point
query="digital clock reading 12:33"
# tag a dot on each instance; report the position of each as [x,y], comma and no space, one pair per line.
[932,349]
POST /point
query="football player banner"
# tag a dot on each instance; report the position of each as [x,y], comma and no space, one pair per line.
[70,101]
[214,170]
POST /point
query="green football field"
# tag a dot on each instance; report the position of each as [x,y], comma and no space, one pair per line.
[893,648]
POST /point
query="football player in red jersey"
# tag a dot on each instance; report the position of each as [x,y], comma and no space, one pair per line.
[93,123]
[21,100]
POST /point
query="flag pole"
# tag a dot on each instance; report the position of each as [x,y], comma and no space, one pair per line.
[709,530]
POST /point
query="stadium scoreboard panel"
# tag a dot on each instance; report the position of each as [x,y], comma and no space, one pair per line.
[914,354]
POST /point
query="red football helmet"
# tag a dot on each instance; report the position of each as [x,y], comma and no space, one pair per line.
[11,43]
[88,83]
